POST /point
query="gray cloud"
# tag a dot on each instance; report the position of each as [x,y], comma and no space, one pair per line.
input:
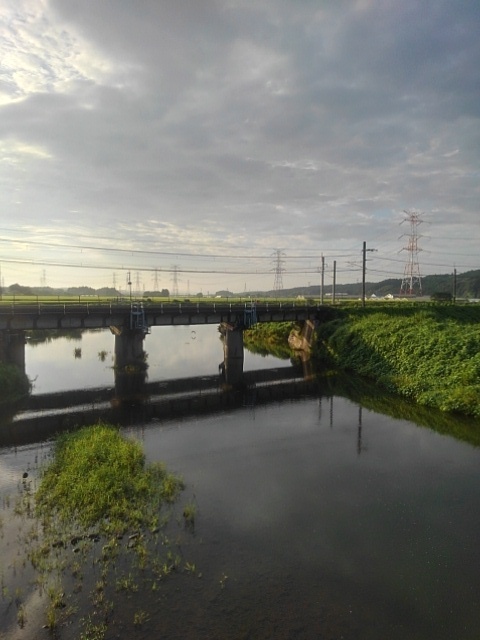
[226,127]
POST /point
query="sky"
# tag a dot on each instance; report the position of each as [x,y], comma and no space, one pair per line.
[202,145]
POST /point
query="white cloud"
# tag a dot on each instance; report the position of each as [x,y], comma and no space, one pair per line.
[42,56]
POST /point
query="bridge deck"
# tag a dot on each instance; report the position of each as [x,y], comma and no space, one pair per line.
[102,315]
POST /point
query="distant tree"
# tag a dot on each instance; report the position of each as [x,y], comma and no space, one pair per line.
[107,291]
[164,293]
[20,289]
[81,291]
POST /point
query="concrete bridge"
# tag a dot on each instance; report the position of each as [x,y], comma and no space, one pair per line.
[95,315]
[131,322]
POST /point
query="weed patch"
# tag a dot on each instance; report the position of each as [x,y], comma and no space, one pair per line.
[99,516]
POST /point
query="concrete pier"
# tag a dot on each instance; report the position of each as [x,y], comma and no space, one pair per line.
[12,348]
[233,355]
[130,366]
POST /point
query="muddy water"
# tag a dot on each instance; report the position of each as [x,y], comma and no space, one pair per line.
[315,519]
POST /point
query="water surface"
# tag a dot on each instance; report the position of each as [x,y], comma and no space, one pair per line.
[316,519]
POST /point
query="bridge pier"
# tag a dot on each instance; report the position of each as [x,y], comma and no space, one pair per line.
[130,367]
[12,348]
[233,355]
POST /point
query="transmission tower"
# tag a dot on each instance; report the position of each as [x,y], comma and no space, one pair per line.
[278,256]
[175,280]
[137,283]
[412,280]
[155,280]
[43,278]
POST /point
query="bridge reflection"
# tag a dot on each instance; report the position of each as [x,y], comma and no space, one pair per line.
[49,414]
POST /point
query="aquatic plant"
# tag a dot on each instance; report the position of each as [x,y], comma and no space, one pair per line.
[98,511]
[98,478]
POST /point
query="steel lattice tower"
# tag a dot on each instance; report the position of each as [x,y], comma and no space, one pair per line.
[279,262]
[155,279]
[175,280]
[137,283]
[412,280]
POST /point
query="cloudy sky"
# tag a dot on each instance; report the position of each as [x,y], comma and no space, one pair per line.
[210,144]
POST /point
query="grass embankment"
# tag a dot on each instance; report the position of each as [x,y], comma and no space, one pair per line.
[99,530]
[430,355]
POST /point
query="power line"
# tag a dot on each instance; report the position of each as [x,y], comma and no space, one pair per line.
[158,252]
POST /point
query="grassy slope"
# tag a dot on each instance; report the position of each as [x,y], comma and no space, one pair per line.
[431,355]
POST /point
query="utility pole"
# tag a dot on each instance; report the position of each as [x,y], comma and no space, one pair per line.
[364,269]
[454,285]
[334,280]
[129,283]
[322,280]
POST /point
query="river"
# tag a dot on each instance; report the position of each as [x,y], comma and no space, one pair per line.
[317,516]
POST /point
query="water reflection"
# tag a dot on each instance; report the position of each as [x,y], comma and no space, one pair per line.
[173,352]
[318,516]
[291,509]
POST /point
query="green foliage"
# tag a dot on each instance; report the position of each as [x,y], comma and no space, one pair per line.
[269,338]
[99,478]
[14,384]
[97,528]
[430,355]
[360,390]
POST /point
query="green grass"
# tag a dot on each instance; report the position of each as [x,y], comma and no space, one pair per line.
[270,338]
[99,479]
[99,516]
[431,356]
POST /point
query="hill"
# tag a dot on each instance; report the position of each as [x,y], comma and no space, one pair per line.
[467,286]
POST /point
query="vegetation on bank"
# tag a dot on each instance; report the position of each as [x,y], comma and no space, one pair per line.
[269,339]
[372,397]
[426,353]
[14,385]
[430,355]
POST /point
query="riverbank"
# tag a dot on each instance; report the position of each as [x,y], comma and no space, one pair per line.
[430,355]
